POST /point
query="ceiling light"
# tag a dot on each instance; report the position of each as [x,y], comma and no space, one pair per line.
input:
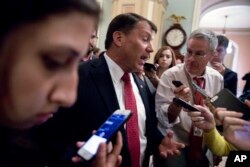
[225,23]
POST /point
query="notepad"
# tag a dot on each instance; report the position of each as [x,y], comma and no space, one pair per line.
[227,100]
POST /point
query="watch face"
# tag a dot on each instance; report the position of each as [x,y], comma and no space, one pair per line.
[175,37]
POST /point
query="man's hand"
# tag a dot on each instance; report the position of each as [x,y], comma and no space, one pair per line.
[218,66]
[152,76]
[174,109]
[183,92]
[169,147]
[203,118]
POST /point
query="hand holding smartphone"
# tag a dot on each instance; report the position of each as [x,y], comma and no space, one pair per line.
[149,67]
[104,133]
[184,104]
[177,83]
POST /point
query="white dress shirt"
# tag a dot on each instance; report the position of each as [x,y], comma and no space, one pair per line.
[165,94]
[116,74]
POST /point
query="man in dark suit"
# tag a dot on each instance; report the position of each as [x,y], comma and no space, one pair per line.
[230,77]
[246,77]
[100,93]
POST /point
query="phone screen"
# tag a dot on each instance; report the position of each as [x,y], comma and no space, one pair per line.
[104,133]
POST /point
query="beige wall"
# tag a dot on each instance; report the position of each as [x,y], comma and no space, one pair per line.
[154,10]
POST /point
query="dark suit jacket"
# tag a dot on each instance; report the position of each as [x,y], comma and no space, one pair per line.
[230,80]
[95,103]
[247,84]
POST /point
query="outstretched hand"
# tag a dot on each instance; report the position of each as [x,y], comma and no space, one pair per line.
[169,147]
[237,132]
[202,119]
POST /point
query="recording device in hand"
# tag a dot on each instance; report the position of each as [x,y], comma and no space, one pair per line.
[184,104]
[149,67]
[104,133]
[226,99]
[229,101]
[177,83]
[201,91]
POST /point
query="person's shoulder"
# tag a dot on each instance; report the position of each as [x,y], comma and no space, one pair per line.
[83,67]
[229,71]
[211,71]
[88,65]
[173,71]
[176,69]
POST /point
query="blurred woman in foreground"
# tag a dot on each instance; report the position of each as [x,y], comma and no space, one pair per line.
[41,45]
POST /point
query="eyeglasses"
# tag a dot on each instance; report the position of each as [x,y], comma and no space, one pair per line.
[196,54]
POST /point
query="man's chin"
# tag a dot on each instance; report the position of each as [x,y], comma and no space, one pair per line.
[141,68]
[192,71]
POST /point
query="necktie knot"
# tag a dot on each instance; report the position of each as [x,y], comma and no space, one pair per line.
[200,82]
[126,77]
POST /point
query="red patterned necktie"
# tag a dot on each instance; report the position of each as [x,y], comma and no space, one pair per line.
[132,124]
[196,135]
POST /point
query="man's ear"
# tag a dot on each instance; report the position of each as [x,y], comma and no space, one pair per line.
[118,38]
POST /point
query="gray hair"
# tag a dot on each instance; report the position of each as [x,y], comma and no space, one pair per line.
[207,35]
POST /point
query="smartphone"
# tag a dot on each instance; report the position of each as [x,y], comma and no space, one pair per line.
[177,83]
[149,66]
[184,104]
[104,133]
[227,100]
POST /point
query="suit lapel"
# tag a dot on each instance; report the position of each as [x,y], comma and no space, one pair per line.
[102,78]
[143,91]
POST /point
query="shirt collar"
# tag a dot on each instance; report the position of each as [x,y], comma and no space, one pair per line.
[193,76]
[114,69]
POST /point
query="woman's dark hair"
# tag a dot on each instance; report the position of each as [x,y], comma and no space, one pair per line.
[222,41]
[124,23]
[17,13]
[14,13]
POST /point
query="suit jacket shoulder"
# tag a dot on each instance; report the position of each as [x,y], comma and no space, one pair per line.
[230,80]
